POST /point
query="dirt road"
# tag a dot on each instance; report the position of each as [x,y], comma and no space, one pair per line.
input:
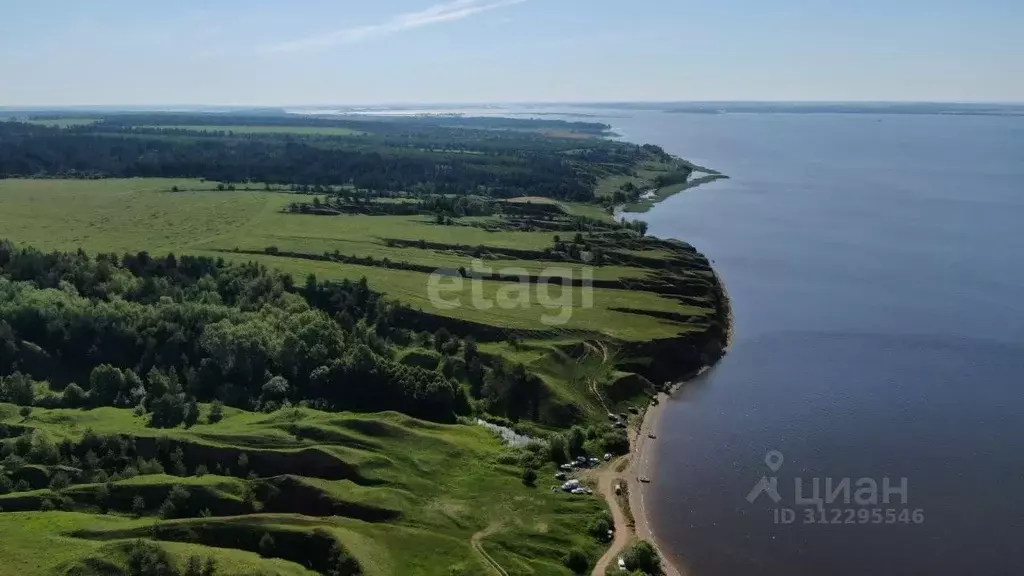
[640,465]
[477,543]
[607,479]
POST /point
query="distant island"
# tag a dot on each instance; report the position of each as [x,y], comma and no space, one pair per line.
[237,342]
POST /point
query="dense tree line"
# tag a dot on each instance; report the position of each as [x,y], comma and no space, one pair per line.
[508,168]
[158,335]
[439,206]
[402,125]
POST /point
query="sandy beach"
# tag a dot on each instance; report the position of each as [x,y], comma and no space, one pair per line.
[640,462]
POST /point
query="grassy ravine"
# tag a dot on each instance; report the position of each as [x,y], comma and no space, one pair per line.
[419,492]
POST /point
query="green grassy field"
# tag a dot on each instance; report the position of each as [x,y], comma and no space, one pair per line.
[441,483]
[132,215]
[305,130]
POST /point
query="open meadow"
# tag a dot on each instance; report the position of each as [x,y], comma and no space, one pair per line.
[144,214]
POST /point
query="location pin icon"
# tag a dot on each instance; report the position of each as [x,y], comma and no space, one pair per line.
[774,460]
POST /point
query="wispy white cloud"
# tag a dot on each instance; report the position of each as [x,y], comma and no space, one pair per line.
[449,11]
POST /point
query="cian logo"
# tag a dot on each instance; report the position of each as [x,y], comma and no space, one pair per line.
[768,484]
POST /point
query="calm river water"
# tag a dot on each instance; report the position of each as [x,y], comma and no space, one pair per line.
[876,268]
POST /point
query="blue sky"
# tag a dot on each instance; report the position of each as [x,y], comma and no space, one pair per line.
[274,52]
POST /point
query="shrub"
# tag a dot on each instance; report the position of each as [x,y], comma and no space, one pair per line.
[194,566]
[138,506]
[267,545]
[216,412]
[60,481]
[599,528]
[556,449]
[530,477]
[576,561]
[148,559]
[152,466]
[74,396]
[103,497]
[642,556]
[176,503]
[43,450]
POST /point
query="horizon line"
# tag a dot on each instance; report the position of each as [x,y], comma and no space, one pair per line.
[448,104]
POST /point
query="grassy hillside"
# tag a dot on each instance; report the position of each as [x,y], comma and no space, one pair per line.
[418,493]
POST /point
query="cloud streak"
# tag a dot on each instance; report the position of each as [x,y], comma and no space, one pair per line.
[449,11]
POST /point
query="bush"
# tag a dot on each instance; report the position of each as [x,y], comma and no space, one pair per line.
[530,477]
[576,561]
[556,449]
[176,504]
[103,497]
[267,545]
[138,506]
[642,556]
[216,412]
[599,528]
[150,467]
[60,481]
[25,412]
[74,396]
[148,559]
[42,449]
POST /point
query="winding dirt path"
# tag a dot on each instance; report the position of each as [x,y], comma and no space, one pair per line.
[476,541]
[640,462]
[607,478]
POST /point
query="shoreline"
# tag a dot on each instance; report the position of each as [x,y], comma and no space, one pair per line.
[651,422]
[642,462]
